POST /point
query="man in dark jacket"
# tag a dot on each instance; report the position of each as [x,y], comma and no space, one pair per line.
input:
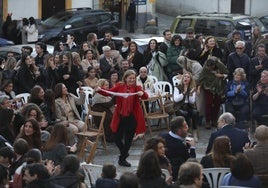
[178,148]
[226,127]
[131,16]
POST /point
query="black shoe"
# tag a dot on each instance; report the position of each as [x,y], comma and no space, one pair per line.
[124,163]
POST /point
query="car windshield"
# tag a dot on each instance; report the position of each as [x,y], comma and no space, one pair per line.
[56,20]
[254,22]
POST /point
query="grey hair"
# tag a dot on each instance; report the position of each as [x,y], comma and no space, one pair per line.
[228,118]
[106,48]
[240,42]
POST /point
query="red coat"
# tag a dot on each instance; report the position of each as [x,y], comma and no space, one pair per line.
[138,113]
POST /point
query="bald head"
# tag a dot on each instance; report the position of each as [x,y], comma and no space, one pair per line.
[261,133]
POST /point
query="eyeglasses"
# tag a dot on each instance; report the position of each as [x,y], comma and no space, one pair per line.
[239,48]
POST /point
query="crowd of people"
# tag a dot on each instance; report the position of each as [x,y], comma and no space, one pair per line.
[119,75]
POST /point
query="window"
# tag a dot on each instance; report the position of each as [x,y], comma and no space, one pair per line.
[91,19]
[105,17]
[77,22]
[182,25]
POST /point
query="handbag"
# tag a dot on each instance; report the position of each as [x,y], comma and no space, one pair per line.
[237,101]
[169,106]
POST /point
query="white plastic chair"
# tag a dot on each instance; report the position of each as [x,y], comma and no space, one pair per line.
[175,81]
[24,97]
[215,175]
[154,78]
[160,87]
[92,173]
[89,93]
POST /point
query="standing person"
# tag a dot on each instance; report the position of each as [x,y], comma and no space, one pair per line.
[258,64]
[212,80]
[178,149]
[167,39]
[191,44]
[128,117]
[92,40]
[131,16]
[260,99]
[134,57]
[226,127]
[175,50]
[238,59]
[155,61]
[108,37]
[25,24]
[32,31]
[25,77]
[125,47]
[210,48]
[69,73]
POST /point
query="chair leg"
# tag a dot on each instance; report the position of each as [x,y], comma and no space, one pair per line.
[104,141]
[149,127]
[167,123]
[91,153]
[82,149]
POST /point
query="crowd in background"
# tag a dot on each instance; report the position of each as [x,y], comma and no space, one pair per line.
[209,77]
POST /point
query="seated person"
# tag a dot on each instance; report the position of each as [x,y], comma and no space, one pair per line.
[107,179]
[184,97]
[144,81]
[101,103]
[237,96]
[258,154]
[242,173]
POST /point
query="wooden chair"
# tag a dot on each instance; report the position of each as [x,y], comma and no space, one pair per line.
[264,179]
[24,97]
[215,175]
[92,173]
[91,134]
[156,112]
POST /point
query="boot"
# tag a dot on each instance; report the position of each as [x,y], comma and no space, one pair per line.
[123,162]
[195,135]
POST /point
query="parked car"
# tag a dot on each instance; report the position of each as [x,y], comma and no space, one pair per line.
[16,49]
[264,20]
[5,42]
[219,25]
[80,22]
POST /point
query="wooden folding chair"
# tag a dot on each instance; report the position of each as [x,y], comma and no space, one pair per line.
[91,134]
[157,112]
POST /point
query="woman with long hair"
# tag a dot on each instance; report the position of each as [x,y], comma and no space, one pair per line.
[36,95]
[6,126]
[128,116]
[91,80]
[185,98]
[149,171]
[221,154]
[30,132]
[7,89]
[25,77]
[56,147]
[69,73]
[66,109]
[134,57]
[9,71]
[155,61]
[90,61]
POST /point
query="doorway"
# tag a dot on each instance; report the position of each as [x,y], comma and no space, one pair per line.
[51,7]
[238,6]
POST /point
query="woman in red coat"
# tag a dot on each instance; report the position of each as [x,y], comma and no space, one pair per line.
[128,116]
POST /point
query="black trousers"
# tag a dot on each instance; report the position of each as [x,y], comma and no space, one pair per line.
[125,134]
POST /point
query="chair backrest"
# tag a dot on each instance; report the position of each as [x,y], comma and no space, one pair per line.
[92,173]
[155,106]
[89,93]
[215,175]
[24,97]
[162,86]
[175,81]
[154,78]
